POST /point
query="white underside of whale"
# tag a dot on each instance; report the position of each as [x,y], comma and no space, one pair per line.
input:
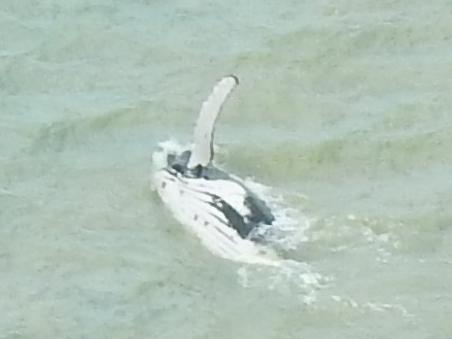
[186,198]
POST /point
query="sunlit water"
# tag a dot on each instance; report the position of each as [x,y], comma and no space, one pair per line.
[343,112]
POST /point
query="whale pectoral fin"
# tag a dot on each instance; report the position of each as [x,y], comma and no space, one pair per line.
[203,136]
[259,211]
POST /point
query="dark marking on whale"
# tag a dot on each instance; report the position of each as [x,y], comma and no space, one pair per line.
[243,224]
[260,213]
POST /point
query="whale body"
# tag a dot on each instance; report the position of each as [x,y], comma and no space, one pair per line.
[214,205]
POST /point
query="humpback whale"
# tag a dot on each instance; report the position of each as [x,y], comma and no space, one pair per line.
[214,205]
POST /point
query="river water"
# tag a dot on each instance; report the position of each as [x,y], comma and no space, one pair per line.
[343,113]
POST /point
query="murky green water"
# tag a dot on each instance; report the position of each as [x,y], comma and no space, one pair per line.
[344,109]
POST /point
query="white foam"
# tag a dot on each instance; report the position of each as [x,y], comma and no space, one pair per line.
[371,306]
[296,278]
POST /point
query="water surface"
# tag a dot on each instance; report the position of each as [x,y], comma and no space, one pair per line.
[343,110]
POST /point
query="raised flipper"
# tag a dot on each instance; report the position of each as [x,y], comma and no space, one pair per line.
[203,137]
